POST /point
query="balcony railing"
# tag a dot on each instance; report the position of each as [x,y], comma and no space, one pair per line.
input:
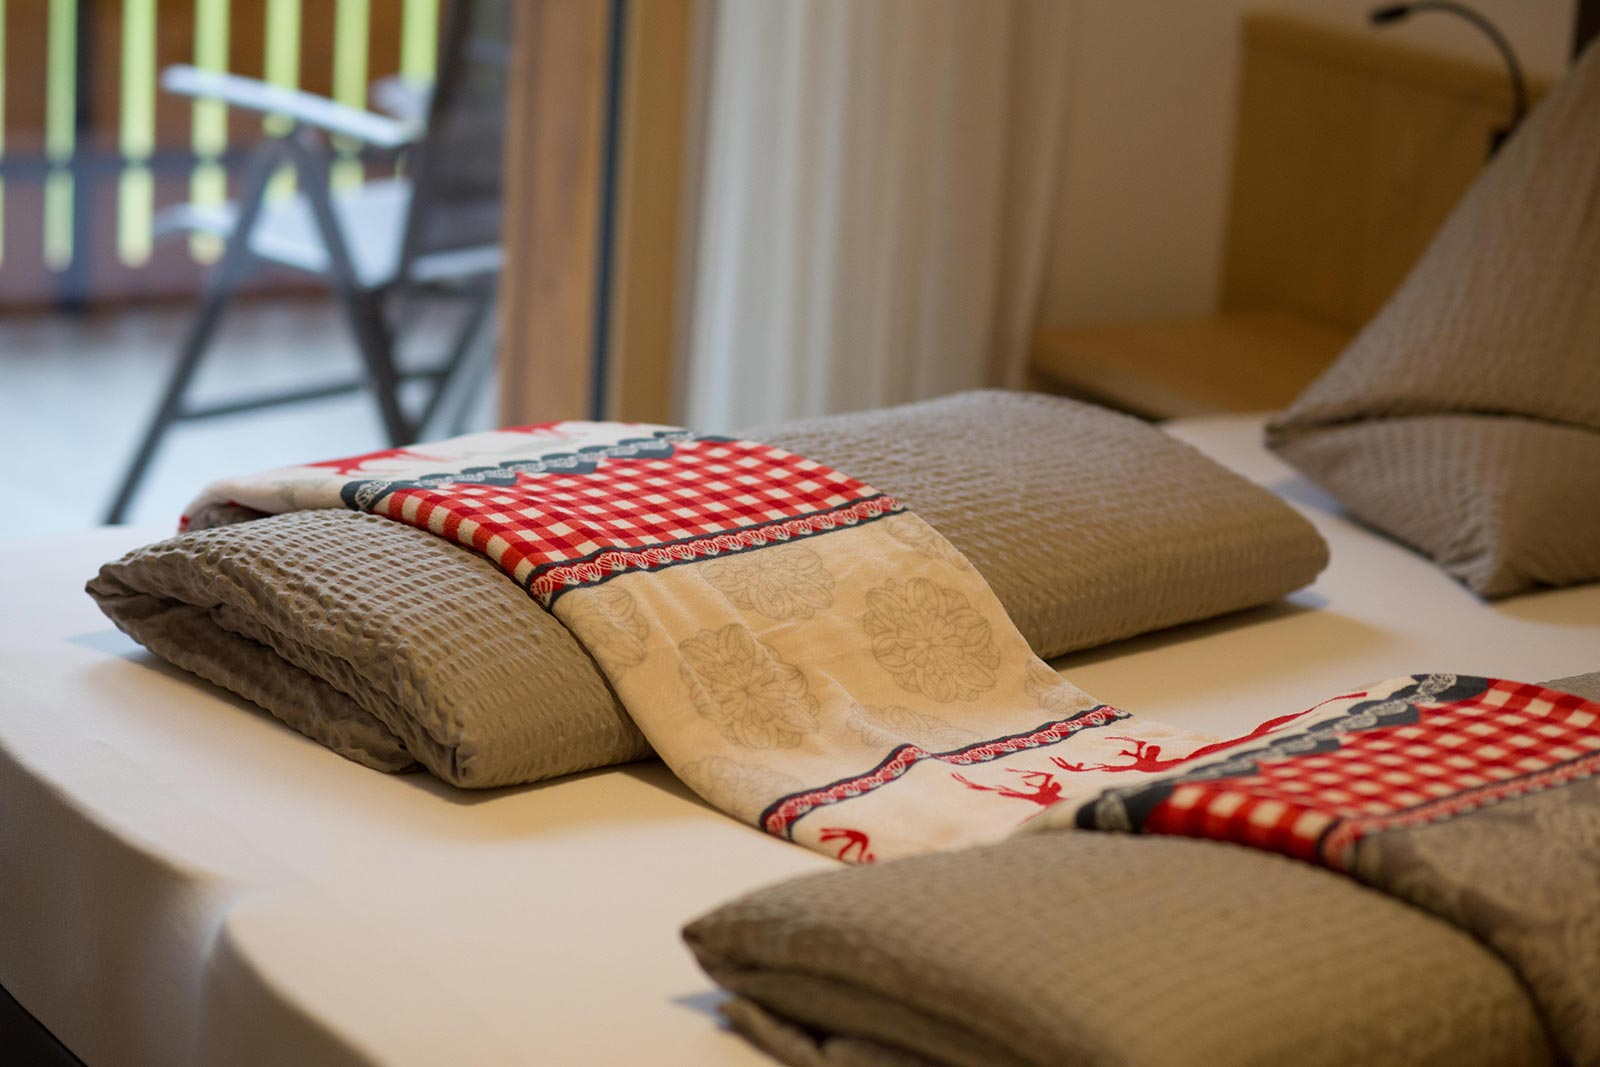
[90,149]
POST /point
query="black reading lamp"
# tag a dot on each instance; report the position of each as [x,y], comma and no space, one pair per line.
[1585,25]
[1392,13]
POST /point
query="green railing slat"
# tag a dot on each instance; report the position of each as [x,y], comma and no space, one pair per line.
[419,39]
[60,133]
[209,130]
[350,47]
[281,66]
[2,128]
[69,171]
[137,136]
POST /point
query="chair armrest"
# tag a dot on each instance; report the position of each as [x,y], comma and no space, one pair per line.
[401,97]
[304,108]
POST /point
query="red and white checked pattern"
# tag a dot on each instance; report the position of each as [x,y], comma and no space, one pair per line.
[1509,740]
[635,513]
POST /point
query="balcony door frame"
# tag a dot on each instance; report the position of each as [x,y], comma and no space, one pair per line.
[600,185]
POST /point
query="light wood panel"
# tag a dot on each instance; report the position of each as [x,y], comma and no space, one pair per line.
[1350,150]
[650,225]
[555,158]
[555,118]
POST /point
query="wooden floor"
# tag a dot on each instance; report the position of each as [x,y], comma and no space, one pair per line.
[76,392]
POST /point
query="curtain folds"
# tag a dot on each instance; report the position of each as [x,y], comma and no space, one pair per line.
[876,199]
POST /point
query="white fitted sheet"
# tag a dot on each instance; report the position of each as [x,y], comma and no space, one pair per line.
[183,880]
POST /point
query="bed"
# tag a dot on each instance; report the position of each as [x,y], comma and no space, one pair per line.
[186,881]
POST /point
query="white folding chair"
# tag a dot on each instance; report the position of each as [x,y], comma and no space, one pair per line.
[434,231]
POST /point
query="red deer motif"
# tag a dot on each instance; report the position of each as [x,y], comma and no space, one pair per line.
[1042,787]
[1147,757]
[853,840]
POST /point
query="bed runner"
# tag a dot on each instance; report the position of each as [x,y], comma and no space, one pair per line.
[804,652]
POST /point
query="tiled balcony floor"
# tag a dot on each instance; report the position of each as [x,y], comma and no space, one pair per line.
[75,395]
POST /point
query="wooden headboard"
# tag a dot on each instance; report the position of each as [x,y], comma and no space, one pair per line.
[1350,151]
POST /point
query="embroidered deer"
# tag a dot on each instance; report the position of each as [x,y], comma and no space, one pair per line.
[1041,786]
[854,840]
[1147,757]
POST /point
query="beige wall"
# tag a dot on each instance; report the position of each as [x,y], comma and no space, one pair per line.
[1139,228]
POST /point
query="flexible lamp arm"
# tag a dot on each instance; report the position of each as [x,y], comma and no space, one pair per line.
[1391,13]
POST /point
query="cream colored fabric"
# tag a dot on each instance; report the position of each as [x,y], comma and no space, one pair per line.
[313,616]
[1465,418]
[314,484]
[1089,525]
[795,668]
[1093,950]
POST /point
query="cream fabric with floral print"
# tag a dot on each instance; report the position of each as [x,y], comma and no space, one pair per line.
[802,651]
[862,693]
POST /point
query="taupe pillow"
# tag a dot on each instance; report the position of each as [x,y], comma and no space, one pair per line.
[1089,525]
[1465,418]
[393,646]
[1108,950]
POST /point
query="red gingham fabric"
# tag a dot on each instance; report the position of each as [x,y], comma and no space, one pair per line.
[1509,740]
[554,531]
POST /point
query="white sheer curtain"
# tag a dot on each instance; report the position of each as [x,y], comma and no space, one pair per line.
[875,204]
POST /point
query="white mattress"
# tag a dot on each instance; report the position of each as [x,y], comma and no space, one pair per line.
[182,880]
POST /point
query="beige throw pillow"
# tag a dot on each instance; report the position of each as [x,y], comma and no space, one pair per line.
[1464,419]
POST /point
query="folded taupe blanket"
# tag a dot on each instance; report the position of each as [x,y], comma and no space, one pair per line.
[1102,950]
[1088,525]
[321,618]
[1584,685]
[1484,946]
[1475,799]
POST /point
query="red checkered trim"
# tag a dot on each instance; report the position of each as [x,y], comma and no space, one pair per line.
[558,530]
[783,813]
[1509,740]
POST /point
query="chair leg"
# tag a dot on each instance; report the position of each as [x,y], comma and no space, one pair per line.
[194,349]
[219,289]
[363,307]
[364,311]
[471,328]
[474,379]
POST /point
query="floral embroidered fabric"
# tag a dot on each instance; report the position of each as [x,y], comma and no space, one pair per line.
[812,658]
[802,651]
